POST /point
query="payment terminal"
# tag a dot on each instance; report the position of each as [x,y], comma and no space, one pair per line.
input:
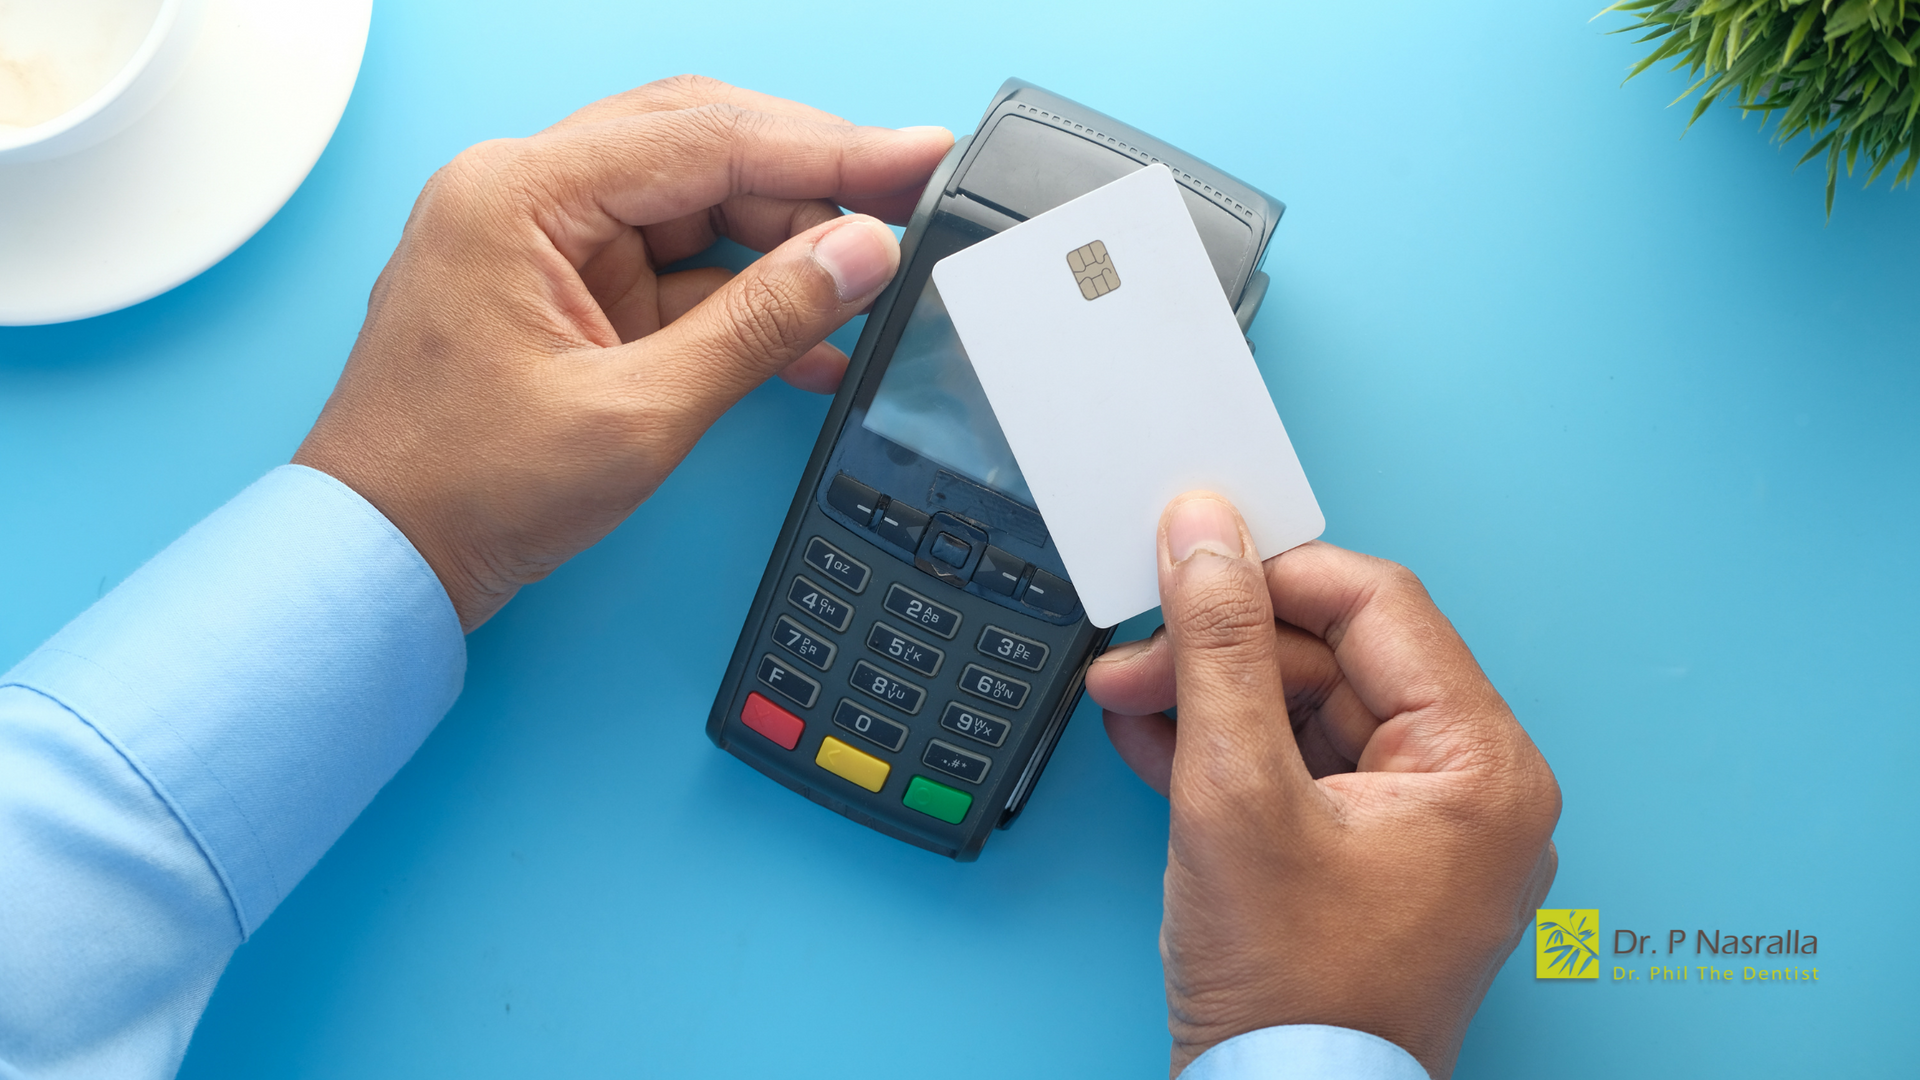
[916,645]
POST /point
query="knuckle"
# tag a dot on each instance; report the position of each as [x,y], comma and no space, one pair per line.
[712,132]
[479,165]
[1521,796]
[1401,580]
[1542,796]
[718,119]
[473,179]
[689,88]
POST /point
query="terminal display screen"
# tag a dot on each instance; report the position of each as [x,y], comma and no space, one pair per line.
[930,402]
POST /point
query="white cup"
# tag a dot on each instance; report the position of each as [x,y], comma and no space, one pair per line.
[66,48]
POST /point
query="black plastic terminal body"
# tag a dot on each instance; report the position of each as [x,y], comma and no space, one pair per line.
[928,620]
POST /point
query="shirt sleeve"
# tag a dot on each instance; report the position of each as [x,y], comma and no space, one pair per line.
[1305,1052]
[177,758]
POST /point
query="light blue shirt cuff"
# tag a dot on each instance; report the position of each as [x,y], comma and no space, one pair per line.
[266,674]
[1305,1052]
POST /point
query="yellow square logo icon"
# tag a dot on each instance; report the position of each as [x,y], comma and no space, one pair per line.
[1566,943]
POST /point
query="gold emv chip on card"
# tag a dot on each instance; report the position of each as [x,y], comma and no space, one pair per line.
[1093,270]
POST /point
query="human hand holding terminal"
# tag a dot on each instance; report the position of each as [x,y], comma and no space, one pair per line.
[526,376]
[1360,828]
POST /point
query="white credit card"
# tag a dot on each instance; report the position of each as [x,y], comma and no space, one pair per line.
[1118,372]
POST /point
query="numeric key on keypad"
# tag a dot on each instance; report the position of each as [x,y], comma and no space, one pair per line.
[1014,649]
[954,761]
[898,693]
[801,642]
[819,603]
[836,564]
[870,725]
[904,650]
[922,612]
[975,724]
[994,686]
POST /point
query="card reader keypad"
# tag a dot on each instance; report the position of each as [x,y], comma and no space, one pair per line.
[870,701]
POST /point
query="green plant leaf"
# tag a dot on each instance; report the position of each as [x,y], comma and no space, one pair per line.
[1852,15]
[1846,73]
[1798,35]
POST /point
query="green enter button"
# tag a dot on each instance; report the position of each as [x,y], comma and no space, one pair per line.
[937,800]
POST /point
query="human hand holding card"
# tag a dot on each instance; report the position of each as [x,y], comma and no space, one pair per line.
[1119,375]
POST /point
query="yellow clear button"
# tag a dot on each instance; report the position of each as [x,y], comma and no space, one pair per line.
[847,763]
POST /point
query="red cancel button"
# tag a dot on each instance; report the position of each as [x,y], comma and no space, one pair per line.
[772,721]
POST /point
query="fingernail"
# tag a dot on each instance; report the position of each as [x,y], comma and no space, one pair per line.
[918,128]
[859,256]
[1203,524]
[1124,651]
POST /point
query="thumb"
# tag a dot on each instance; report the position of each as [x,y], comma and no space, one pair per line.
[1236,753]
[766,317]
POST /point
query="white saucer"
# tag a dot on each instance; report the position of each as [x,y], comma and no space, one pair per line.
[126,220]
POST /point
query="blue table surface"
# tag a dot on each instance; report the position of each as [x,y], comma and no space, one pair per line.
[1640,416]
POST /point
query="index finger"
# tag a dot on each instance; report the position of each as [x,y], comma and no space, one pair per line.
[689,92]
[1401,656]
[594,181]
[694,91]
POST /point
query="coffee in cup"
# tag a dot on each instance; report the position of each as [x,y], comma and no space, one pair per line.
[76,72]
[55,54]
